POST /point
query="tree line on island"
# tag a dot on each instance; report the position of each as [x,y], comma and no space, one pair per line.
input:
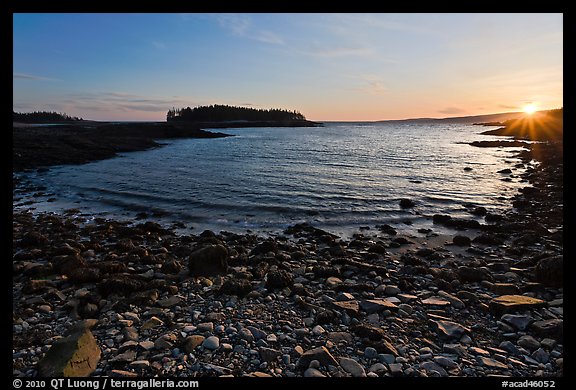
[223,113]
[42,117]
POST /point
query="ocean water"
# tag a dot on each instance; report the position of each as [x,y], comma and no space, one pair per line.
[339,177]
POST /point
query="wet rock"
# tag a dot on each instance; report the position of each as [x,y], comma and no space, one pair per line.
[85,275]
[209,260]
[550,271]
[278,279]
[513,303]
[75,355]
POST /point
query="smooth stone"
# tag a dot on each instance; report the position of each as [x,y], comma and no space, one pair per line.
[528,342]
[370,353]
[352,367]
[445,362]
[313,373]
[211,343]
[378,368]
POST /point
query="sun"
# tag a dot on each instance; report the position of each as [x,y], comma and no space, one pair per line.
[529,109]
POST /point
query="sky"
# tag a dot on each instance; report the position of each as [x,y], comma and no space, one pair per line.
[329,67]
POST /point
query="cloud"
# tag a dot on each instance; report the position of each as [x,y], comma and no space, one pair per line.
[241,26]
[24,76]
[452,110]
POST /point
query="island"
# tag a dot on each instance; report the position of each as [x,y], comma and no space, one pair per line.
[42,139]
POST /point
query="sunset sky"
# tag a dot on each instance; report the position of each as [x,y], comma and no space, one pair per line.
[329,67]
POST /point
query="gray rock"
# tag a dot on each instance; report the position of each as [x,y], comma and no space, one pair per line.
[352,367]
[386,358]
[509,347]
[454,301]
[75,355]
[377,305]
[528,342]
[549,328]
[212,343]
[269,355]
[378,368]
[445,362]
[449,329]
[321,354]
[395,369]
[540,355]
[520,322]
[433,367]
[313,373]
[370,353]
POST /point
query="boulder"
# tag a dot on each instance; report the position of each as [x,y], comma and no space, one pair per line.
[209,260]
[75,355]
[550,271]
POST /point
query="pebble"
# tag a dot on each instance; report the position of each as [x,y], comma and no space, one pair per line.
[313,373]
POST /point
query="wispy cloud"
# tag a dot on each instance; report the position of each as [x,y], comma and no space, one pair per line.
[24,76]
[241,25]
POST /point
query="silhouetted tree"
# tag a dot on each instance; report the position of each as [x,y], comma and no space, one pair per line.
[42,116]
[220,113]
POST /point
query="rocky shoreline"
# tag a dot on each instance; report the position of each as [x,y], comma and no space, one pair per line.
[136,300]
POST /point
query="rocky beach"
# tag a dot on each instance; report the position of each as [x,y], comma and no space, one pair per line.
[96,297]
